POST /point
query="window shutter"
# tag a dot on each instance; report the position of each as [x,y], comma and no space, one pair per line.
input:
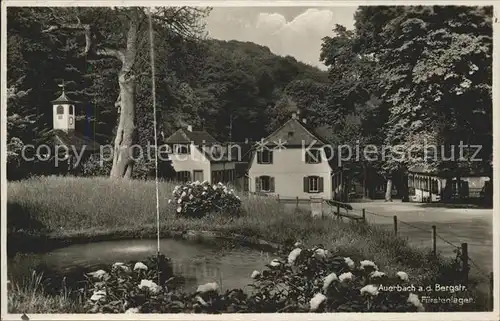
[320,184]
[246,182]
[259,157]
[306,184]
[271,184]
[257,184]
[270,157]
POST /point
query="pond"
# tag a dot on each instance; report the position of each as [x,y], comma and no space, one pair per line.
[198,263]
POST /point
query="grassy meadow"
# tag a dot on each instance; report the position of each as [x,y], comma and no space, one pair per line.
[72,208]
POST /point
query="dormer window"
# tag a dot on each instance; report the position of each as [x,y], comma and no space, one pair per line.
[313,156]
[290,134]
[182,149]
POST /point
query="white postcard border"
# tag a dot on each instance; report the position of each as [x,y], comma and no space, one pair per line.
[469,316]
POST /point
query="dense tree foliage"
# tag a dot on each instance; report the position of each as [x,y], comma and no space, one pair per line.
[430,67]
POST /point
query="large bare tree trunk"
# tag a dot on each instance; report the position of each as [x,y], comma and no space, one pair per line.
[123,162]
[122,159]
[388,191]
[405,193]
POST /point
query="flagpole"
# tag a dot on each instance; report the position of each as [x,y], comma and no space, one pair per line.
[153,84]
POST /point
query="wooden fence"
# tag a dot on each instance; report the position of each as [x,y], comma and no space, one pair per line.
[340,210]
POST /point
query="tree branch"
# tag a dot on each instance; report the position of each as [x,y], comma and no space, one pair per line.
[118,103]
[106,52]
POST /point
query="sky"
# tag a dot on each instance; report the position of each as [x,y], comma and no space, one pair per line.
[294,31]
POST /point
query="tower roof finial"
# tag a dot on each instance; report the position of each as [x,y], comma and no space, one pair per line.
[62,85]
[63,99]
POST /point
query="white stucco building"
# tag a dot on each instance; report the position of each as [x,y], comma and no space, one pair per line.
[197,156]
[293,162]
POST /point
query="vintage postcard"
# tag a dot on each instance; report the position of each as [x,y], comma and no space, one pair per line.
[224,160]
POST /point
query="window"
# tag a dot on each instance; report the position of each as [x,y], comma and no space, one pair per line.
[224,176]
[183,176]
[181,149]
[313,156]
[71,120]
[313,184]
[264,184]
[265,157]
[60,110]
[71,109]
[221,176]
[290,134]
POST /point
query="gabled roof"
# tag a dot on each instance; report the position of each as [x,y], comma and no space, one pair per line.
[217,158]
[184,136]
[294,133]
[63,99]
[73,139]
[421,169]
[302,136]
[199,138]
[442,172]
[244,151]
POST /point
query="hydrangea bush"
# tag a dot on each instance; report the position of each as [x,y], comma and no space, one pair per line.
[314,280]
[195,199]
[303,280]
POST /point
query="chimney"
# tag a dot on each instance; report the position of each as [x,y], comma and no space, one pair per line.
[190,128]
[294,116]
[304,120]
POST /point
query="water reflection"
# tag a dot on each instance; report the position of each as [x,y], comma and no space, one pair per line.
[195,262]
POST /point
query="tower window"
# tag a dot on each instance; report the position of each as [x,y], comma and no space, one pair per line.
[60,110]
[71,109]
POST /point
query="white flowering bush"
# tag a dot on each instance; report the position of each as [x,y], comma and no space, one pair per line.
[195,199]
[315,280]
[309,280]
[127,287]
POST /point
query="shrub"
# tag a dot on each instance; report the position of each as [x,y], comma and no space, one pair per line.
[198,199]
[307,280]
[127,286]
[96,165]
[17,166]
